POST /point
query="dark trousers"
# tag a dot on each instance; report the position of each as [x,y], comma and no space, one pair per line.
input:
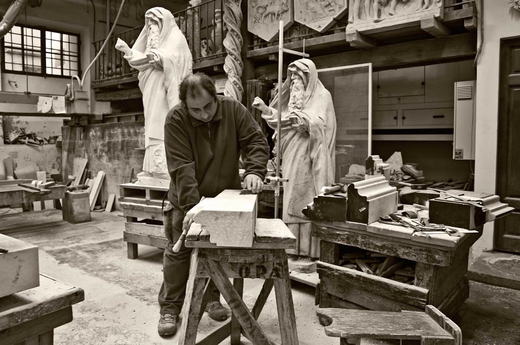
[176,266]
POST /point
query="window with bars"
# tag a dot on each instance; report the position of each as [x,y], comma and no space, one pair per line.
[40,51]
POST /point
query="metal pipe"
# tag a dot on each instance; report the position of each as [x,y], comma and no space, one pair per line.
[11,16]
[279,118]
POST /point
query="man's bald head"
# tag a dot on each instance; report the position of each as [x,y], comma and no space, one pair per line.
[194,86]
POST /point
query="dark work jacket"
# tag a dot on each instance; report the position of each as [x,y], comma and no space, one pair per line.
[203,157]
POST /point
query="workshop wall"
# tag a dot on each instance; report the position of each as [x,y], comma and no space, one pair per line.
[43,157]
[499,21]
[108,147]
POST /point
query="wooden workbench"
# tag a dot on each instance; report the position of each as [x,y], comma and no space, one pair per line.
[441,263]
[30,316]
[12,194]
[266,259]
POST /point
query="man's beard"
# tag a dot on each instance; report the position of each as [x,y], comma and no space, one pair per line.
[296,95]
[153,38]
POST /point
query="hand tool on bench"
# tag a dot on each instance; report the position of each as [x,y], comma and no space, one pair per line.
[35,190]
[337,187]
[181,239]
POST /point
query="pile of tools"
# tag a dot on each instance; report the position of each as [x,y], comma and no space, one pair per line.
[381,265]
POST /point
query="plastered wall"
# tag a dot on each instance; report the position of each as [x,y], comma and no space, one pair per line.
[500,21]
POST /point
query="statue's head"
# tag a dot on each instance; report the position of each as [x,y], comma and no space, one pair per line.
[153,26]
[297,88]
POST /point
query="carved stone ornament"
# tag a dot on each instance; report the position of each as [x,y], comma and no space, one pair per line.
[515,4]
[372,16]
[319,14]
[233,65]
[263,17]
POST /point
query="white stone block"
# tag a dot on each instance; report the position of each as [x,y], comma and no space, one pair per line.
[230,218]
[19,267]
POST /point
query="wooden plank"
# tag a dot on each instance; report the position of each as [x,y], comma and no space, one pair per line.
[357,40]
[98,182]
[120,95]
[359,297]
[414,251]
[440,281]
[27,305]
[423,52]
[110,203]
[243,315]
[152,241]
[236,330]
[269,234]
[400,292]
[434,27]
[79,166]
[359,324]
[285,304]
[141,213]
[30,220]
[144,229]
[451,304]
[41,328]
[192,303]
[443,321]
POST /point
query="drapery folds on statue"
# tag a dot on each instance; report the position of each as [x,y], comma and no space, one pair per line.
[162,56]
[307,146]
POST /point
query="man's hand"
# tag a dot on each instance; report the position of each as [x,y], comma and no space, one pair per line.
[254,183]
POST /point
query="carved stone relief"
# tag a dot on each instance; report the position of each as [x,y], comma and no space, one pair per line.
[264,15]
[371,15]
[319,14]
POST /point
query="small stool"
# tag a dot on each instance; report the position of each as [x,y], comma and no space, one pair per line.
[265,260]
[383,328]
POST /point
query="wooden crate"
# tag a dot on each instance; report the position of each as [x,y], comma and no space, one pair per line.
[142,207]
[142,194]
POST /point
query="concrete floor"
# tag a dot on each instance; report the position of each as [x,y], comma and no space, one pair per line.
[121,306]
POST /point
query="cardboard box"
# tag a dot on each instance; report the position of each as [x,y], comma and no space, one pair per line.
[19,267]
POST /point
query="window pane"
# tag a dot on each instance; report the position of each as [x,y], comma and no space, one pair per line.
[24,53]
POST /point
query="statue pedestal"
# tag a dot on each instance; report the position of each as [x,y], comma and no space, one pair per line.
[147,179]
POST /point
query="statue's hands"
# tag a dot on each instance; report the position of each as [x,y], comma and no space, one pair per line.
[154,60]
[253,183]
[299,123]
[259,104]
[123,47]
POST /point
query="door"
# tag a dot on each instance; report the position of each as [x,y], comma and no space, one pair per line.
[507,229]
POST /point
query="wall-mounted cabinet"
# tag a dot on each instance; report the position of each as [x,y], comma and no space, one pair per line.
[417,103]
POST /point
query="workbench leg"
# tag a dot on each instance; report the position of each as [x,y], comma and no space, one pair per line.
[250,326]
[131,250]
[46,338]
[192,303]
[284,304]
[27,207]
[236,330]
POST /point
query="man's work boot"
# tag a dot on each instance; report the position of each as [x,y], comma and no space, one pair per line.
[167,325]
[217,311]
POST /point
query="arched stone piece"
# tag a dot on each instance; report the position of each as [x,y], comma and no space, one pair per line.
[319,14]
[263,18]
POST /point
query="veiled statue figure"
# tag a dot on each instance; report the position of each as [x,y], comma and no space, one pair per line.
[307,144]
[163,58]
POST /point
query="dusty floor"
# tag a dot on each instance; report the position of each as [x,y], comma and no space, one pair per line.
[121,307]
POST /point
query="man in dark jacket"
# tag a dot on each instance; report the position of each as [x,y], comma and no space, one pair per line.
[204,136]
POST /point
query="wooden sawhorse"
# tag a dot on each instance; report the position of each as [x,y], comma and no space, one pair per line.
[265,260]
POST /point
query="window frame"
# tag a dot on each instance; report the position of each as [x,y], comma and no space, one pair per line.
[44,53]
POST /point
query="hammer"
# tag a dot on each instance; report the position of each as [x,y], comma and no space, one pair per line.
[192,212]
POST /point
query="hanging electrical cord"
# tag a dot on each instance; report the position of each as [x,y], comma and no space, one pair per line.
[82,80]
